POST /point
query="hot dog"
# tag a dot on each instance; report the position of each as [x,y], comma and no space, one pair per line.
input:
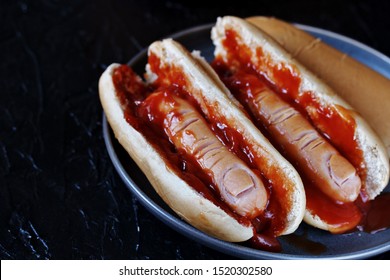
[199,149]
[339,157]
[336,176]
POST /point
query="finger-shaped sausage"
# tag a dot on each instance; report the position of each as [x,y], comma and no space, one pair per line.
[301,142]
[236,183]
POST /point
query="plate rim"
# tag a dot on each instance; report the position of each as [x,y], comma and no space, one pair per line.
[190,232]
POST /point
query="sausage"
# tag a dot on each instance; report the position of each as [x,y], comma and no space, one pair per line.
[303,144]
[238,186]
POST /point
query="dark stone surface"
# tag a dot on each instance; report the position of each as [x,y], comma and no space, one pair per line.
[60,197]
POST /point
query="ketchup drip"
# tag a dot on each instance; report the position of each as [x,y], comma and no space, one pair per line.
[377,216]
[132,92]
[334,122]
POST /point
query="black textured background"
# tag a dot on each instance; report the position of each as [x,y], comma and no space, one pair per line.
[60,197]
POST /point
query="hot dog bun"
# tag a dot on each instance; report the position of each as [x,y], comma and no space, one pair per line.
[266,57]
[185,201]
[363,88]
[215,102]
